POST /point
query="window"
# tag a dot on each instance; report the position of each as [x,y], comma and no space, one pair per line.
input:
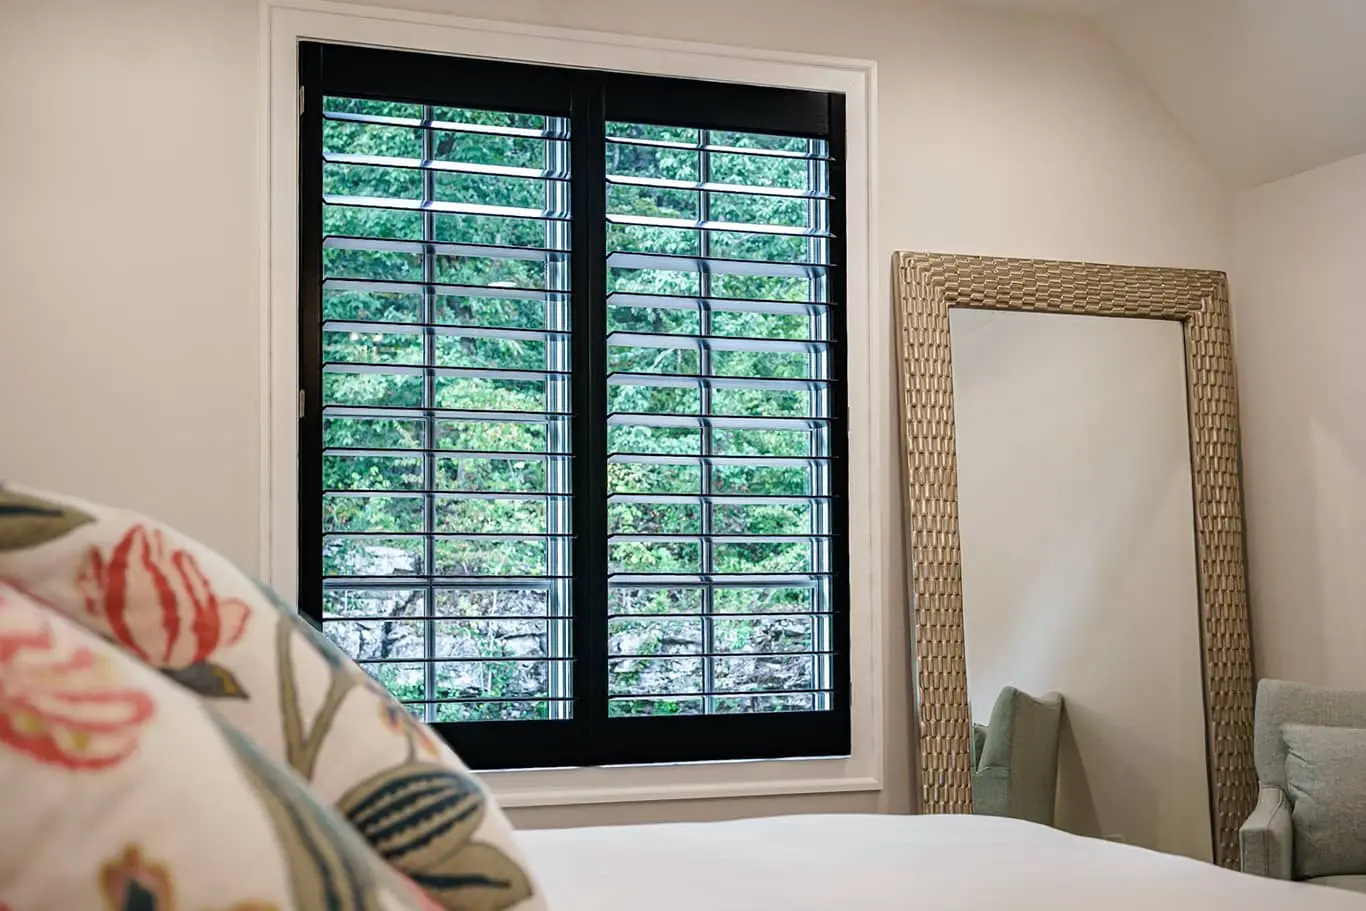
[573,455]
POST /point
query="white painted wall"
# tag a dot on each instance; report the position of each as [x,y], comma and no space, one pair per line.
[129,337]
[1078,536]
[1265,88]
[1298,279]
[130,349]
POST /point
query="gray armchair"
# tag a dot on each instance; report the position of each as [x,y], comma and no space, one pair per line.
[1267,839]
[1015,757]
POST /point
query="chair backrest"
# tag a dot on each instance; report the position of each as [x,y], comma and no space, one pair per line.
[1280,702]
[1023,738]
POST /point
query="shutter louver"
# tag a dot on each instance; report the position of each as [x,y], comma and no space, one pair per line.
[719,422]
[445,311]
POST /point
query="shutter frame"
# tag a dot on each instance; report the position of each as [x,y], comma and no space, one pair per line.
[585,99]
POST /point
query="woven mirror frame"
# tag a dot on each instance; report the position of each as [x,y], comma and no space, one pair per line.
[926,286]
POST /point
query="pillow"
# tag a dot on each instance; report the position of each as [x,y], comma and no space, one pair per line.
[1325,770]
[187,611]
[121,792]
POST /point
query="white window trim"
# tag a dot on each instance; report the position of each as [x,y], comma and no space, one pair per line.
[284,24]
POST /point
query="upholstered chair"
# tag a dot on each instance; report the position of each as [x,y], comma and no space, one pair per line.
[1015,757]
[1310,820]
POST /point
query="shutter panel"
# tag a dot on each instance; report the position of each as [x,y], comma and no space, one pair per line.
[720,474]
[445,321]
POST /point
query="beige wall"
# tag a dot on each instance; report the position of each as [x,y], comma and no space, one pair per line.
[129,281]
[1074,493]
[1298,279]
[131,347]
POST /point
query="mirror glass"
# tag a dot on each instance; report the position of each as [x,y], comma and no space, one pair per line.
[1079,575]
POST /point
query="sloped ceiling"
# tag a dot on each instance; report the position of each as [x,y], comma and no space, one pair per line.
[1265,88]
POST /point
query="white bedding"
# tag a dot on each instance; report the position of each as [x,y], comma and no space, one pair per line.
[887,863]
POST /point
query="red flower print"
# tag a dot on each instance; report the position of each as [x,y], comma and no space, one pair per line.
[59,701]
[156,601]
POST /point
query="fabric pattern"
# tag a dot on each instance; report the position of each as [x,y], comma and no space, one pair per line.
[187,611]
[1326,774]
[100,759]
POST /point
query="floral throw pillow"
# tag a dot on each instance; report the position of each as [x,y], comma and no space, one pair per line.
[185,610]
[121,792]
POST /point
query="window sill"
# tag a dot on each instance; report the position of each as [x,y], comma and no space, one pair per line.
[699,781]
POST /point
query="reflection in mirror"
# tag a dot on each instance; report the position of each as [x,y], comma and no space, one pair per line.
[1079,575]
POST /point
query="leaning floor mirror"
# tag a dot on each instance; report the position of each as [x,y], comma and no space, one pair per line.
[1075,546]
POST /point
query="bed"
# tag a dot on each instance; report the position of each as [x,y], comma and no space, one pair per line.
[881,863]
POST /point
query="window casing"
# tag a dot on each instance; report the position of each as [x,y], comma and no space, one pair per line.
[625,304]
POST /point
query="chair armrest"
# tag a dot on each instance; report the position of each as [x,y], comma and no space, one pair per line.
[1267,839]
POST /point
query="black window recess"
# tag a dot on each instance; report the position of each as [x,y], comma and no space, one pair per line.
[573,462]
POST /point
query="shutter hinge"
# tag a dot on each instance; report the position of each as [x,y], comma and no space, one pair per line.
[301,405]
[302,103]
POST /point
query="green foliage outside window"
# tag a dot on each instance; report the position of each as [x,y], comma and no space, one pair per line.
[518,464]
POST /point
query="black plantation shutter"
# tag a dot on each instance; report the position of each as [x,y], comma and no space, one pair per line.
[572,466]
[719,428]
[726,605]
[442,359]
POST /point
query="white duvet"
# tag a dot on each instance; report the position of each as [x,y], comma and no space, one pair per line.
[887,863]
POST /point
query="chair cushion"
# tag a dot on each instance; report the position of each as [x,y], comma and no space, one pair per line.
[187,611]
[1326,774]
[1354,883]
[121,791]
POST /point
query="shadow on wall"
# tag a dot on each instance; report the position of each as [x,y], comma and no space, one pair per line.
[1298,322]
[1076,805]
[1120,768]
